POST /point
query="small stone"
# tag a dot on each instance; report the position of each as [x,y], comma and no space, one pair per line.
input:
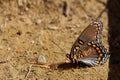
[32,42]
[1,47]
[77,25]
[52,27]
[19,32]
[27,21]
[20,3]
[41,59]
[26,8]
[9,49]
[38,21]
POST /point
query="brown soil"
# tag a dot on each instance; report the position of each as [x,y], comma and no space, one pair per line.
[49,28]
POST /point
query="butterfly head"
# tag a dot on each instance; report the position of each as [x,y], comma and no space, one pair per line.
[75,54]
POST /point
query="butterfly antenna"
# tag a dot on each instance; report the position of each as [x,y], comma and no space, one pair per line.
[58,46]
[101,13]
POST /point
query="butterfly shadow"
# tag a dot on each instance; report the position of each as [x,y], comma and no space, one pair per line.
[66,66]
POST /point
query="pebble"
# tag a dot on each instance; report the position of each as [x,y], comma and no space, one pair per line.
[52,27]
[1,47]
[8,48]
[41,59]
[38,21]
[32,42]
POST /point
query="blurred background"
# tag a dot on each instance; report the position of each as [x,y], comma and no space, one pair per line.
[30,28]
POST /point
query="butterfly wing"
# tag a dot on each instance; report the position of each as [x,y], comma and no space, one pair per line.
[88,47]
[92,32]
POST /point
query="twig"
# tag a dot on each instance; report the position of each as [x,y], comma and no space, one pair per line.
[4,61]
[42,66]
[58,46]
[29,70]
[65,8]
[99,16]
[103,3]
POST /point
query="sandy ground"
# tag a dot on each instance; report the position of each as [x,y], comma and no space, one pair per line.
[49,28]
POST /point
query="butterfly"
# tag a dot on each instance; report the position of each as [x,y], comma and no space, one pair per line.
[88,47]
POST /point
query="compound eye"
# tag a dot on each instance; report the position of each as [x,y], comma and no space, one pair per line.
[79,53]
[68,55]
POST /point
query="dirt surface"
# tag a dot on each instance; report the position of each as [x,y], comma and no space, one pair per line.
[29,29]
